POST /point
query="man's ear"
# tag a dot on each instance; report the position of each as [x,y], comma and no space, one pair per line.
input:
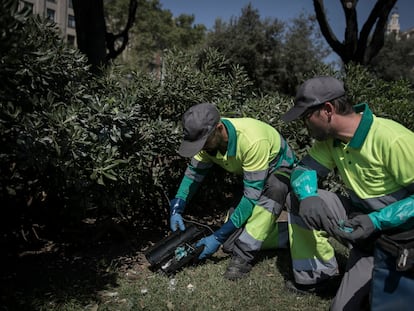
[329,108]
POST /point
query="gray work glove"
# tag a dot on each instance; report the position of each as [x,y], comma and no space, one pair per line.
[358,228]
[316,214]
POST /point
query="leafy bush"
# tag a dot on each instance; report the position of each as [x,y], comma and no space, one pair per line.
[43,81]
[76,146]
[79,146]
[392,100]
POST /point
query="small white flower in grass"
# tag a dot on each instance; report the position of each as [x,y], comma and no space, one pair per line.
[190,287]
[171,285]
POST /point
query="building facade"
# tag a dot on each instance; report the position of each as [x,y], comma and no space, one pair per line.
[59,11]
[393,27]
[394,24]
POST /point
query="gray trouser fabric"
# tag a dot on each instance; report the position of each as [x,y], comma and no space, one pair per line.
[354,288]
[281,242]
[228,245]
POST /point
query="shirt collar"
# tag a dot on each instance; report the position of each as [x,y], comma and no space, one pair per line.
[232,136]
[363,127]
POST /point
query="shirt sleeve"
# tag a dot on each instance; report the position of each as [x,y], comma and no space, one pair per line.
[255,169]
[322,153]
[399,161]
[195,173]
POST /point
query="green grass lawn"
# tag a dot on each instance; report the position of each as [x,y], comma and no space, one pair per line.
[115,277]
[204,288]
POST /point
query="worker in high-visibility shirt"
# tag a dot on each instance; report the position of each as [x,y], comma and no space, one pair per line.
[374,157]
[253,150]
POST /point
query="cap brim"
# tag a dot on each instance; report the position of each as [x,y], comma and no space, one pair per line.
[293,114]
[189,149]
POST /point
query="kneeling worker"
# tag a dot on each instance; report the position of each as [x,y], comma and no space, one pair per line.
[243,146]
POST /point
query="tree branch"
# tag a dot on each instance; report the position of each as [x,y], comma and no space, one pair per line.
[377,41]
[326,29]
[351,30]
[111,39]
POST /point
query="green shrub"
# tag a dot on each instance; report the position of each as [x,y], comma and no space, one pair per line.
[79,146]
[75,146]
[43,83]
[392,100]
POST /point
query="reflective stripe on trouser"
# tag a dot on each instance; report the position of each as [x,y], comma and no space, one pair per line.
[278,237]
[262,224]
[262,232]
[313,257]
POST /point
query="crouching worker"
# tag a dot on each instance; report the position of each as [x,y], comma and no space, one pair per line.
[373,156]
[251,149]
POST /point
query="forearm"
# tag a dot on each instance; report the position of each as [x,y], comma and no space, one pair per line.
[225,231]
[193,176]
[242,212]
[397,214]
[304,182]
[187,189]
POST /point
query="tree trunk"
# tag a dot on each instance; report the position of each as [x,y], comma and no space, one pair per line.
[91,31]
[93,39]
[353,49]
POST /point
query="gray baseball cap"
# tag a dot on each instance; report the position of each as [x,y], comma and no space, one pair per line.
[314,92]
[198,123]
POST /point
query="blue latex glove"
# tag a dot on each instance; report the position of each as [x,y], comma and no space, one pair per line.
[176,220]
[210,243]
[225,231]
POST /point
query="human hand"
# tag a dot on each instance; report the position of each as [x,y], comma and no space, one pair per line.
[316,214]
[177,206]
[176,221]
[210,243]
[358,228]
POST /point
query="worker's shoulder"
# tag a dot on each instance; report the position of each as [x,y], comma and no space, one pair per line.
[247,122]
[388,128]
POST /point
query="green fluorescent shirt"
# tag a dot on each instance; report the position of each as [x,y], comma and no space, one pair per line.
[251,147]
[376,162]
[252,151]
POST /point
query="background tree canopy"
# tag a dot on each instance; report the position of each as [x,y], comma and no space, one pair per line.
[274,54]
[395,60]
[154,31]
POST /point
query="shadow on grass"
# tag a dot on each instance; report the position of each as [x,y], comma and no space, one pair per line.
[61,274]
[49,278]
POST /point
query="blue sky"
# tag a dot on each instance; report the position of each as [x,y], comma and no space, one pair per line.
[206,11]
